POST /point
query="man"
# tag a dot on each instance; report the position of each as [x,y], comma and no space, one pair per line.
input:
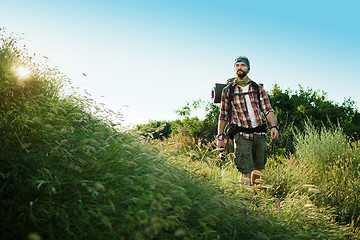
[248,111]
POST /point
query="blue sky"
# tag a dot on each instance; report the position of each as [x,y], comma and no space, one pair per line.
[148,58]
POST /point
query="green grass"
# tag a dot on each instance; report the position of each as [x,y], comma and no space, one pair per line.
[67,173]
[330,164]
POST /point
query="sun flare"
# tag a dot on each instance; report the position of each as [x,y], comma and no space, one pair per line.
[22,72]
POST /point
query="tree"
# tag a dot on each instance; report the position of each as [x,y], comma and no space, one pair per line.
[294,109]
[155,129]
[201,129]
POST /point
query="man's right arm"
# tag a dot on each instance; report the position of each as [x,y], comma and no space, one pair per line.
[222,118]
[221,127]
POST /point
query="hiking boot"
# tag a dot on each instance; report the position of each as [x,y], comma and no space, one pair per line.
[256,177]
[245,182]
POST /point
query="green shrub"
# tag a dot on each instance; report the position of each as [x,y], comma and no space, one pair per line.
[204,129]
[320,148]
[155,129]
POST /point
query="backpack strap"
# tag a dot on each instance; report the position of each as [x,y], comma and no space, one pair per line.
[253,84]
[231,96]
[231,88]
[256,87]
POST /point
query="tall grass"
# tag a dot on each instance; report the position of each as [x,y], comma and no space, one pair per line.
[66,173]
[295,213]
[326,168]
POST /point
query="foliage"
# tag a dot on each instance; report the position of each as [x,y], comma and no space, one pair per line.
[293,110]
[326,168]
[296,210]
[67,172]
[336,165]
[49,144]
[155,129]
[200,129]
[189,124]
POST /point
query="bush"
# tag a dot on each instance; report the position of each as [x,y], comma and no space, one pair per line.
[320,148]
[336,164]
[155,129]
[203,130]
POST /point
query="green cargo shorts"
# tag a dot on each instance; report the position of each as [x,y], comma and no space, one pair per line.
[250,154]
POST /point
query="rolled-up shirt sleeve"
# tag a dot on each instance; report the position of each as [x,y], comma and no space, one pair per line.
[224,108]
[264,102]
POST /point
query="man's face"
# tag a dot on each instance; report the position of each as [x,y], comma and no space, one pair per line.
[241,69]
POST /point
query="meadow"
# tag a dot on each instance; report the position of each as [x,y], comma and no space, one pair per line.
[67,171]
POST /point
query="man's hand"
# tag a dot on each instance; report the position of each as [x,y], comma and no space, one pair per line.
[220,144]
[274,133]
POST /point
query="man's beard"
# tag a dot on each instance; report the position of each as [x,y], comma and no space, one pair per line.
[241,74]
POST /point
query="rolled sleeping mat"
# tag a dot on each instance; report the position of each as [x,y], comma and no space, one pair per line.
[216,92]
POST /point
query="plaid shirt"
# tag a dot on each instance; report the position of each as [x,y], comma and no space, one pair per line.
[240,114]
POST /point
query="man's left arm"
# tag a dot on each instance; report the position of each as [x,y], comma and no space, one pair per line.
[269,113]
[274,132]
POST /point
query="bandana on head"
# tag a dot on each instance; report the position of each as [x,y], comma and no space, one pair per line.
[243,59]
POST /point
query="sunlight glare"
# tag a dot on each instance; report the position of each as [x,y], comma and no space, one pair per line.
[22,72]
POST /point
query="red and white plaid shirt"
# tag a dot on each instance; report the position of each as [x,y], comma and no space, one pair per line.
[240,114]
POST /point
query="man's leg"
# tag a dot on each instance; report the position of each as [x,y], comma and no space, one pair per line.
[260,158]
[244,158]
